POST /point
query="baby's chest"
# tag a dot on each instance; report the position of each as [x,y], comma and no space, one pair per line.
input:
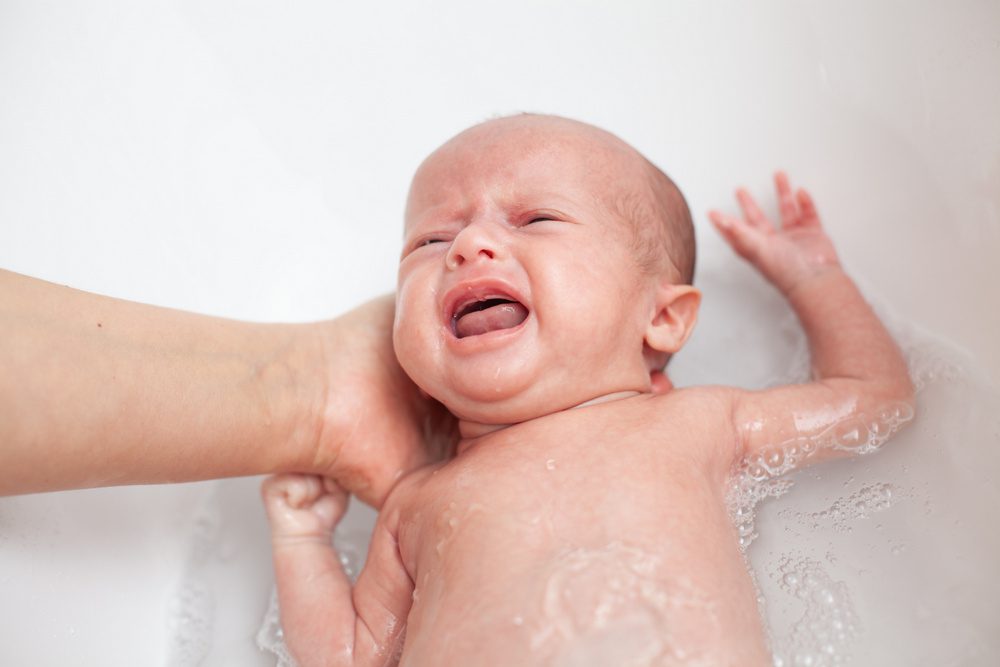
[543,495]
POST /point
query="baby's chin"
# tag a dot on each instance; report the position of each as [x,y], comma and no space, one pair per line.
[494,413]
[519,397]
[500,410]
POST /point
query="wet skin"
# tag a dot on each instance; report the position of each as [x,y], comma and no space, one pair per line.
[591,525]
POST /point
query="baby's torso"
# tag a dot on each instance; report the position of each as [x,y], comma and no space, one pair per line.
[597,536]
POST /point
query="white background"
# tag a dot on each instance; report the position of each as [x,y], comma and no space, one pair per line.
[251,159]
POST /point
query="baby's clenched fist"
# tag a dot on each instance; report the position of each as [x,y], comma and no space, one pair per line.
[303,507]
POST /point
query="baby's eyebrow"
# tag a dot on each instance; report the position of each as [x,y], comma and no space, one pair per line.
[542,199]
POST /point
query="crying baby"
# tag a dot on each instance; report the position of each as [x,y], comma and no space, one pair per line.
[545,281]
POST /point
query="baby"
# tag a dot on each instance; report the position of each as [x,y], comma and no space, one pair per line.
[544,282]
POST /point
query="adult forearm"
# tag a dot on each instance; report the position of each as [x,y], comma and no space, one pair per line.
[97,391]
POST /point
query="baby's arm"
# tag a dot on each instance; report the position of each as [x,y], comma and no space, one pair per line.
[861,391]
[324,621]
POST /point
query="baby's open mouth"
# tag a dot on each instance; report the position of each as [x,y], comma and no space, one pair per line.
[481,316]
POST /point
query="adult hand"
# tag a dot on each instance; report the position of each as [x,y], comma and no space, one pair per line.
[374,424]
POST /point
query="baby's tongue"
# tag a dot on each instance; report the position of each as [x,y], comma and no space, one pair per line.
[500,316]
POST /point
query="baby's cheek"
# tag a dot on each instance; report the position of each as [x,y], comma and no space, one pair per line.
[415,351]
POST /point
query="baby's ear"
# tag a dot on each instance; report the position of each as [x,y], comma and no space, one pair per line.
[676,312]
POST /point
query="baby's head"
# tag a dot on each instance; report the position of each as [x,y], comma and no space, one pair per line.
[545,263]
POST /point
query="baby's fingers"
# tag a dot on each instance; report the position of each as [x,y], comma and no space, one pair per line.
[752,212]
[744,239]
[302,506]
[786,201]
[295,491]
[807,208]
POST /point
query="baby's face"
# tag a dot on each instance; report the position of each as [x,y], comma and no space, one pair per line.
[518,293]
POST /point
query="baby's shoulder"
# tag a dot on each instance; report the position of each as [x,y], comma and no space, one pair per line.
[713,402]
[692,417]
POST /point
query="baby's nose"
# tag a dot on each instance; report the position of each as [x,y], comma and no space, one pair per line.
[470,245]
[457,259]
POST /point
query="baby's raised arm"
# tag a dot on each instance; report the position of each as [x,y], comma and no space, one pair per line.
[324,621]
[861,391]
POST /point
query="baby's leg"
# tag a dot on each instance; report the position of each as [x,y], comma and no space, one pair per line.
[314,594]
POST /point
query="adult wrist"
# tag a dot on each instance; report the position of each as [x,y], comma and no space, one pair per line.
[296,384]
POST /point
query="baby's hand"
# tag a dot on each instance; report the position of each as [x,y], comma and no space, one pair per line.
[789,255]
[303,507]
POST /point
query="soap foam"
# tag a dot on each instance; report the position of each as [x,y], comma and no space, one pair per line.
[826,628]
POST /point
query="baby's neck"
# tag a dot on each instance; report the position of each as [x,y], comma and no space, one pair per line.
[472,431]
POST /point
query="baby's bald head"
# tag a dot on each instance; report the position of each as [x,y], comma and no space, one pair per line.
[644,198]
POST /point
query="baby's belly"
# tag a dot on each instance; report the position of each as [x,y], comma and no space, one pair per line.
[597,587]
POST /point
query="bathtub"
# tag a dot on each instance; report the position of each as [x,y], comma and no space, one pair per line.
[252,161]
